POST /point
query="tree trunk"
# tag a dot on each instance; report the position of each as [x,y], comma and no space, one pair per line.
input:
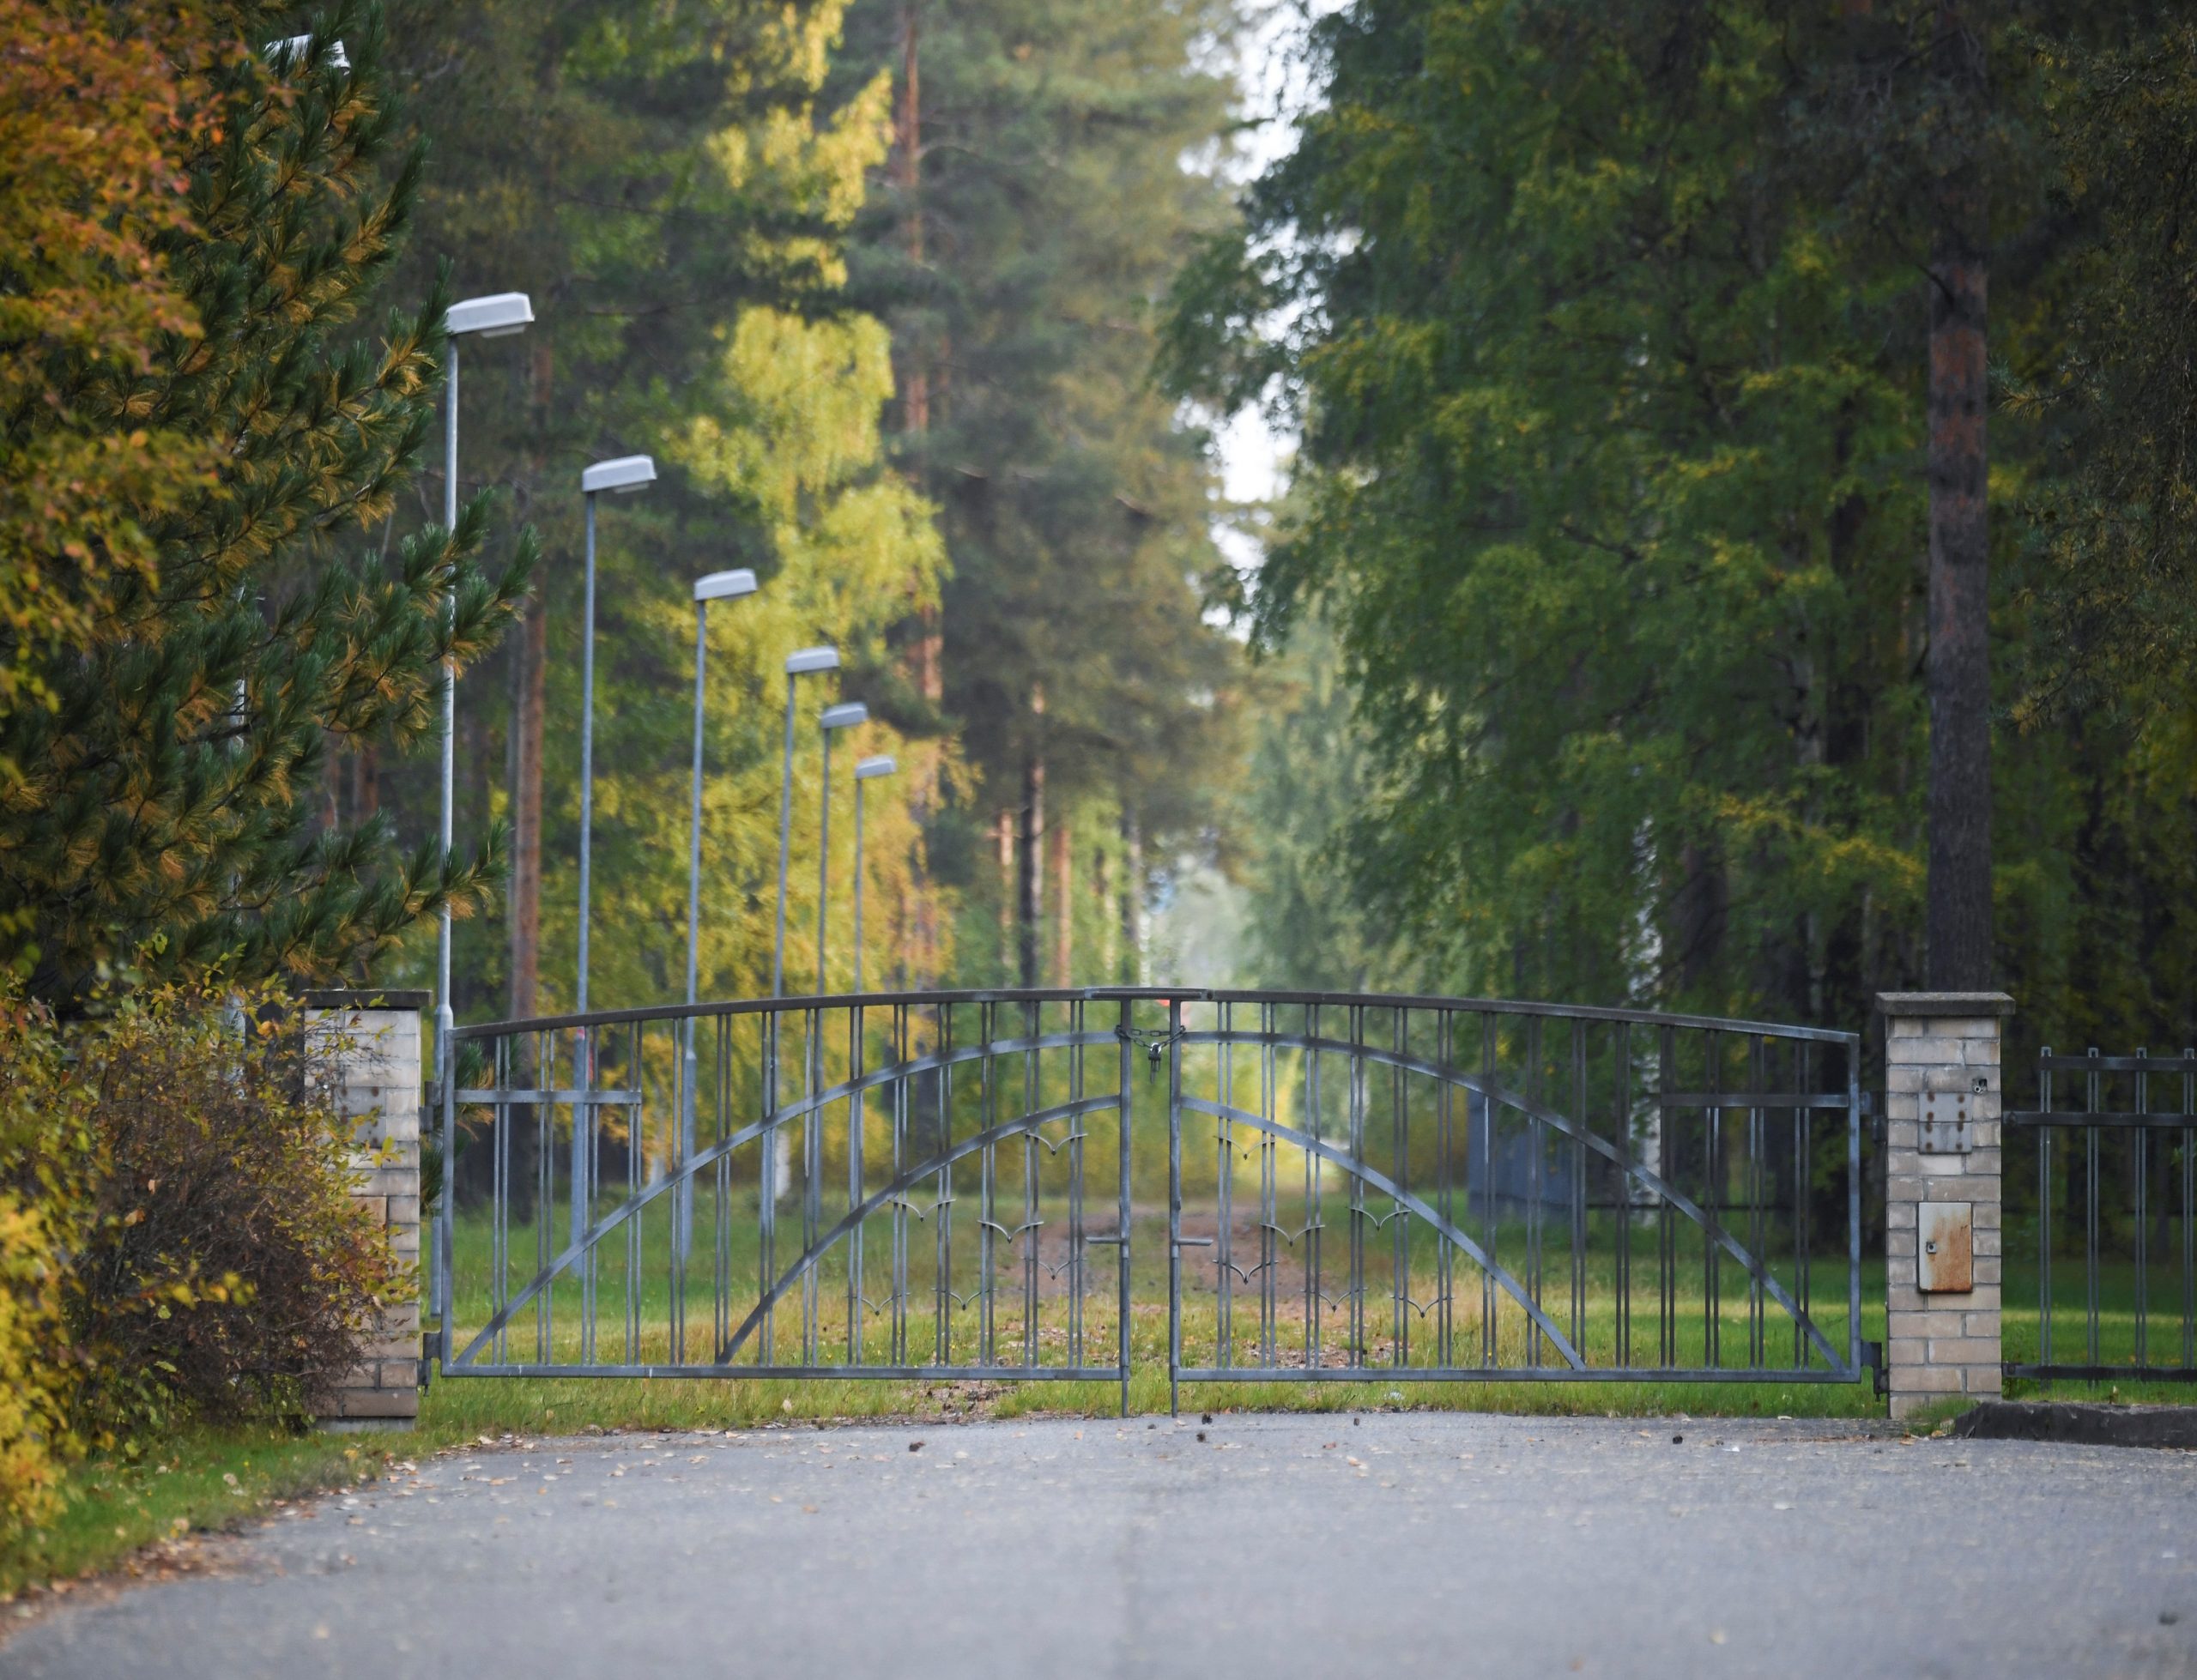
[1003,837]
[1058,844]
[1133,896]
[1102,886]
[1958,919]
[528,713]
[365,784]
[925,652]
[1700,913]
[1029,894]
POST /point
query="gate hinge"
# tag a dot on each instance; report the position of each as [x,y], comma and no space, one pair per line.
[1873,1360]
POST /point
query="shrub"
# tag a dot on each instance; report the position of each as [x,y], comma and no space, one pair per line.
[44,1157]
[228,1271]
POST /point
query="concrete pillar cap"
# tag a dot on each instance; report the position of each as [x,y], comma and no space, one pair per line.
[1944,1003]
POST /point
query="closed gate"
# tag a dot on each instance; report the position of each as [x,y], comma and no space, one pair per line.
[1017,1186]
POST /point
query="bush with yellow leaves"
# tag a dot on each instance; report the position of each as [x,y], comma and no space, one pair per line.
[45,1154]
[181,1152]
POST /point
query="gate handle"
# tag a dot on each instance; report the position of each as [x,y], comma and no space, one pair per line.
[1194,1242]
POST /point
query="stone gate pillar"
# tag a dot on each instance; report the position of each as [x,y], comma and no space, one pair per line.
[1942,1094]
[372,1041]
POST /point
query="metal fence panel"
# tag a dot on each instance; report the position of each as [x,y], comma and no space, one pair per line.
[2118,1165]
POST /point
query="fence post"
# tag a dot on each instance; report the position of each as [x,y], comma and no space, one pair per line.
[1942,1200]
[373,1041]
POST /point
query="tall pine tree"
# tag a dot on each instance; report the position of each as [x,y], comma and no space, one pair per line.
[164,819]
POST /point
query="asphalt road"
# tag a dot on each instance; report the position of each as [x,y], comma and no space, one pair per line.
[1403,1545]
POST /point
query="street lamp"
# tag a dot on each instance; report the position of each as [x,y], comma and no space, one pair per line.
[798,665]
[622,476]
[291,49]
[625,476]
[717,586]
[867,770]
[497,316]
[843,716]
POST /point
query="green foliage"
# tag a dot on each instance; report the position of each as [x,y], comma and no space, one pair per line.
[164,814]
[1310,772]
[1019,256]
[674,190]
[2116,392]
[1605,329]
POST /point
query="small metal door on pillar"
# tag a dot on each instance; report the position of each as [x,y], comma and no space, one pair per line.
[1946,1265]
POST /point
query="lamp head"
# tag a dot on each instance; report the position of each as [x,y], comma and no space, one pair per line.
[811,659]
[628,474]
[869,769]
[497,316]
[845,715]
[724,585]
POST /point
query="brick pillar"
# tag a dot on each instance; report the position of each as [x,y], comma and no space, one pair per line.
[1941,1195]
[372,1038]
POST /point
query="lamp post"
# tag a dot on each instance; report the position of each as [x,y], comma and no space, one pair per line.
[497,316]
[798,665]
[717,586]
[843,716]
[867,770]
[622,476]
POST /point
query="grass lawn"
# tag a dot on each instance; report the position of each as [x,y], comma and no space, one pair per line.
[202,1478]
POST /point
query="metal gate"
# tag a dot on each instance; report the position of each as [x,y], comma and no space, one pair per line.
[1333,1189]
[2111,1214]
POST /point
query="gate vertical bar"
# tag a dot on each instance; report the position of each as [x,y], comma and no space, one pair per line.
[2094,1100]
[1400,1131]
[856,1059]
[445,1227]
[2045,1134]
[1444,1250]
[2139,1146]
[1854,1206]
[767,1174]
[1121,1203]
[1224,1188]
[1579,1112]
[1356,1121]
[1174,1204]
[1622,1211]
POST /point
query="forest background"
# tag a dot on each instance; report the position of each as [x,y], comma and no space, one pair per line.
[1589,656]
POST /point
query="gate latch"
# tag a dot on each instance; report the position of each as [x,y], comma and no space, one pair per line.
[1155,1043]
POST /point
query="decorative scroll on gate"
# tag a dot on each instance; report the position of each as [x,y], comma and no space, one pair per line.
[1334,1187]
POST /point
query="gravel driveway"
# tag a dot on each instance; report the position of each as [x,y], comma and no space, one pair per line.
[1409,1545]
